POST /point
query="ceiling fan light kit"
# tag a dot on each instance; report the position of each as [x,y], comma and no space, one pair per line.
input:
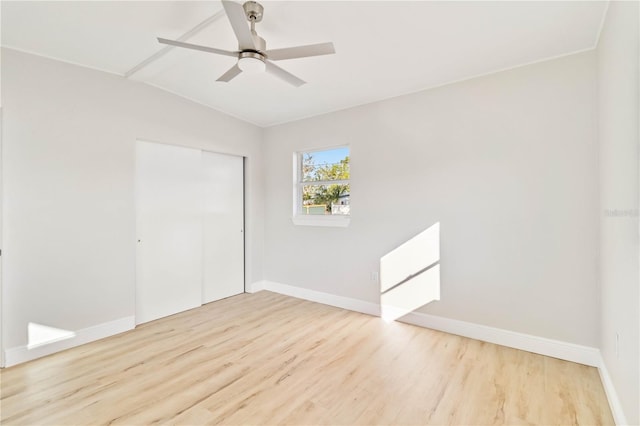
[251,62]
[252,54]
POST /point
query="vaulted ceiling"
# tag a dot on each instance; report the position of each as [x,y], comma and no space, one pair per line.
[383,49]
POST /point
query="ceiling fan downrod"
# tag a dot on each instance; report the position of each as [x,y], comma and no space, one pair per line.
[254,12]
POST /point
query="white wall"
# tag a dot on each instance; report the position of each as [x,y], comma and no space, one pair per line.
[618,91]
[69,141]
[506,163]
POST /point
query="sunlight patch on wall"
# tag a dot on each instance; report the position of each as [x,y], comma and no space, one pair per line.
[410,274]
[42,334]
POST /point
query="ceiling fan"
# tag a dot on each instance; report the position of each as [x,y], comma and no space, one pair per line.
[252,52]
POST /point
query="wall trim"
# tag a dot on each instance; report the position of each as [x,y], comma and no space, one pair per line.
[540,345]
[20,354]
[324,298]
[554,348]
[255,287]
[612,396]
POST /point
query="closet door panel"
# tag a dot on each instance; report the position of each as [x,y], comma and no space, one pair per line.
[223,226]
[169,227]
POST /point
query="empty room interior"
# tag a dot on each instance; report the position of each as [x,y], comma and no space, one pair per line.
[179,244]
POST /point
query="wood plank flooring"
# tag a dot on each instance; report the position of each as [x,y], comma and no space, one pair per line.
[265,358]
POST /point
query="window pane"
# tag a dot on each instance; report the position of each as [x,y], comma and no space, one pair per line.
[325,199]
[332,164]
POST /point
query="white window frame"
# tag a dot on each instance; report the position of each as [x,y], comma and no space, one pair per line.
[298,218]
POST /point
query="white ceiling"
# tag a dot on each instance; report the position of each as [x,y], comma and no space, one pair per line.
[384,49]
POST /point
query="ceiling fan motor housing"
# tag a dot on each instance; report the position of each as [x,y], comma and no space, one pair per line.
[253,10]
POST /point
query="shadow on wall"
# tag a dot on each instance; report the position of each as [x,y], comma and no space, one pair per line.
[410,274]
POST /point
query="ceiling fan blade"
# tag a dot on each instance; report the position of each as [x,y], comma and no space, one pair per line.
[275,70]
[238,21]
[229,75]
[301,51]
[197,47]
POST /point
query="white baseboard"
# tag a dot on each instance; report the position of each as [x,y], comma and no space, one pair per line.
[540,345]
[20,354]
[612,395]
[324,298]
[554,348]
[255,287]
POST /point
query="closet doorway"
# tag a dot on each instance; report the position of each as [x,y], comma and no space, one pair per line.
[189,226]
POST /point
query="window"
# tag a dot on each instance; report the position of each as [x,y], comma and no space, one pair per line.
[322,187]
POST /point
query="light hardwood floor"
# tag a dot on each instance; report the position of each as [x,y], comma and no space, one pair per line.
[270,359]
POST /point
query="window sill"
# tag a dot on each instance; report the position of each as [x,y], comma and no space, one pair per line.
[331,221]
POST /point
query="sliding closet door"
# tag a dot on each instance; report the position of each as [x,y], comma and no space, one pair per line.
[223,226]
[169,226]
